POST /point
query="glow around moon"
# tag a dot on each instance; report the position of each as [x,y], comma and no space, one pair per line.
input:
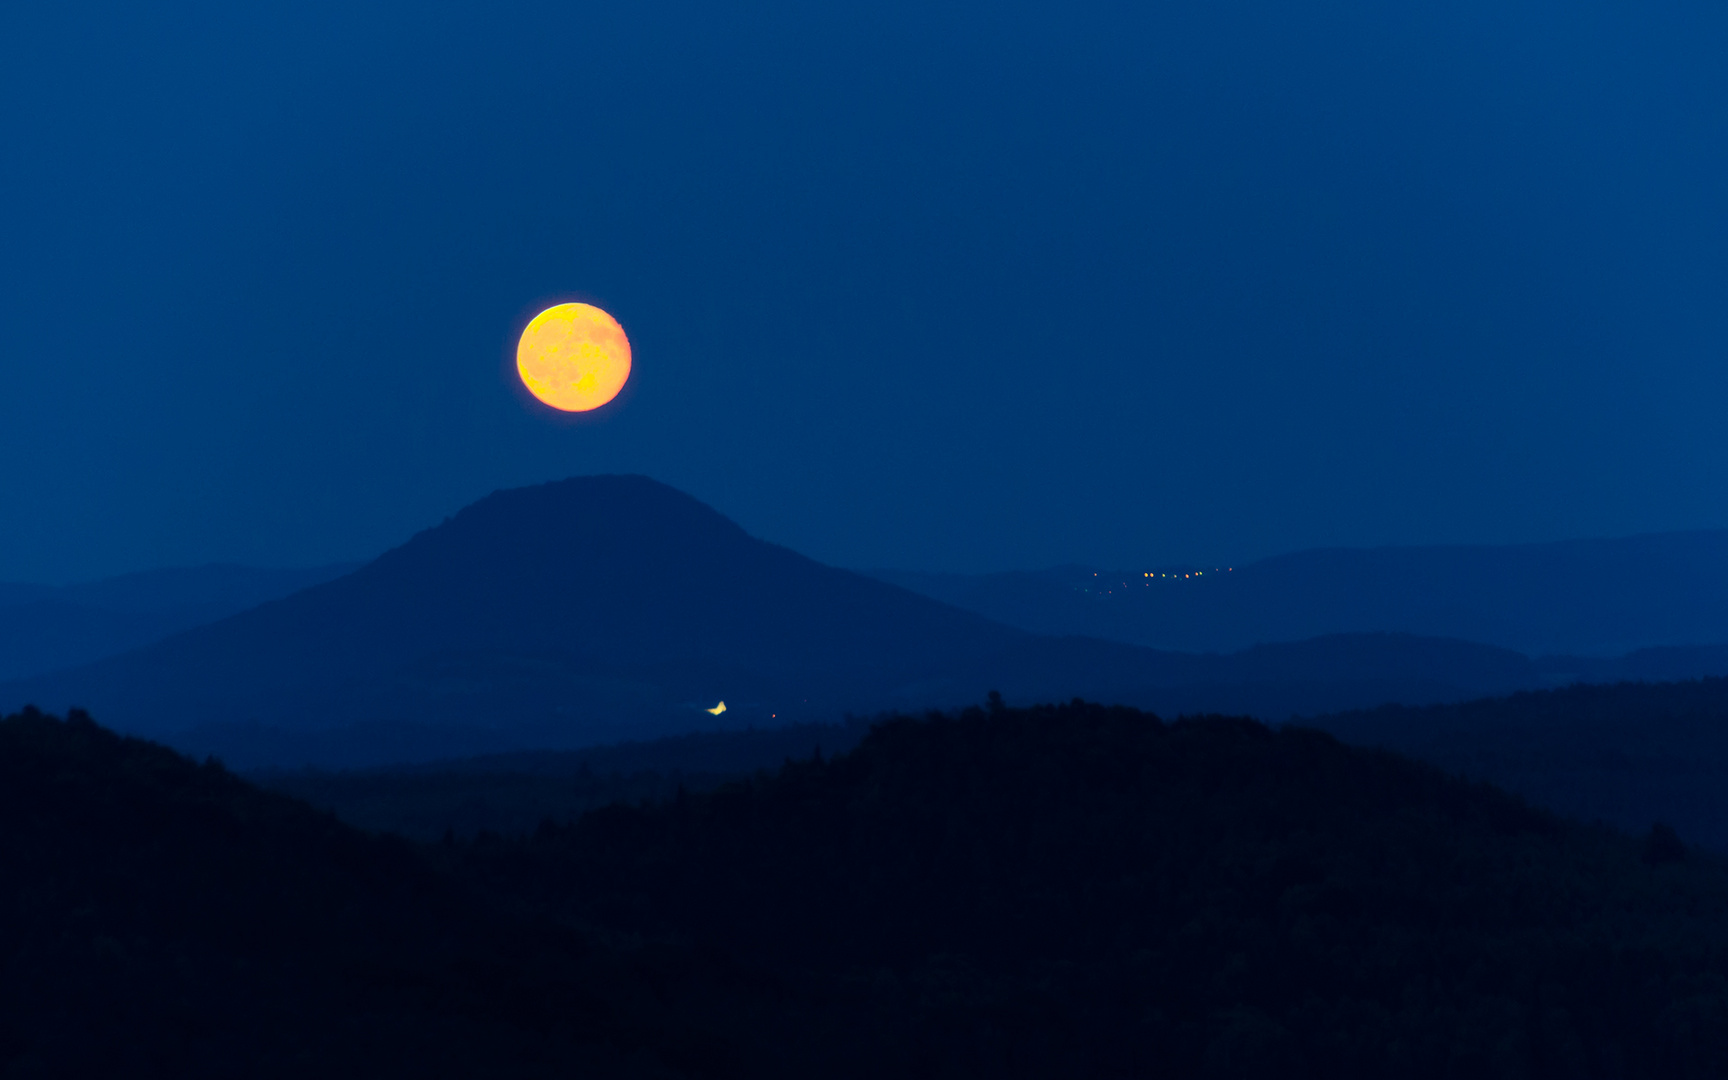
[573,357]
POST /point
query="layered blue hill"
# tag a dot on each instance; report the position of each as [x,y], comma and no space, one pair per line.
[48,628]
[597,609]
[1594,598]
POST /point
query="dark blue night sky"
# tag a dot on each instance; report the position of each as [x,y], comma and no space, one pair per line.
[934,285]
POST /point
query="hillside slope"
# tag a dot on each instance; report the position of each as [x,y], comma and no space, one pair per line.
[1079,891]
[164,918]
[1067,891]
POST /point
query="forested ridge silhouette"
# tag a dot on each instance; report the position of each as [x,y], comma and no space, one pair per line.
[166,918]
[1065,890]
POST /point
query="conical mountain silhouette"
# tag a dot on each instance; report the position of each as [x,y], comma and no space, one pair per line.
[604,608]
[619,573]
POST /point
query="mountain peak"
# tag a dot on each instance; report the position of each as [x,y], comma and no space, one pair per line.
[627,496]
[584,609]
[579,506]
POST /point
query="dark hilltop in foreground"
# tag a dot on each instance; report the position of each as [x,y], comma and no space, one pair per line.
[1055,891]
[1629,754]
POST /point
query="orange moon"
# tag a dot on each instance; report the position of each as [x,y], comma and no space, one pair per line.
[573,357]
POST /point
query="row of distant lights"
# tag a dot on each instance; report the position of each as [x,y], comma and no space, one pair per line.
[1195,574]
[1150,577]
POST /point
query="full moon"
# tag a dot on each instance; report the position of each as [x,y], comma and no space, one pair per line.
[573,357]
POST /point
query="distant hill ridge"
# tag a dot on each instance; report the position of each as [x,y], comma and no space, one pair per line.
[1590,597]
[599,609]
[1631,754]
[48,628]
